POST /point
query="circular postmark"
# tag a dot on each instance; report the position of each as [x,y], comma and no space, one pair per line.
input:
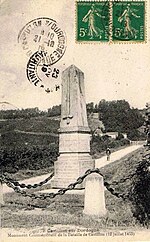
[41,73]
[43,33]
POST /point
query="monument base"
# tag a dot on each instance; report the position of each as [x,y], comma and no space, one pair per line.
[69,167]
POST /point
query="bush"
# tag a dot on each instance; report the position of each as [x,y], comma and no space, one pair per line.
[140,192]
[136,135]
[33,157]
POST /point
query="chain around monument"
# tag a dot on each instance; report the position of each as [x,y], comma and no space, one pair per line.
[10,183]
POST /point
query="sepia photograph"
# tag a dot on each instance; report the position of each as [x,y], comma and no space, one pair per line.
[75,120]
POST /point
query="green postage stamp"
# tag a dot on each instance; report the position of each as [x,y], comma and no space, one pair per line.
[111,21]
[92,21]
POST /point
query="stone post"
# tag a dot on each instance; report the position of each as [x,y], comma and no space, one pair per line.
[94,201]
[74,133]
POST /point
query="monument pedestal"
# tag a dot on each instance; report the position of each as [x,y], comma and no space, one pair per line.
[74,133]
[69,167]
[74,159]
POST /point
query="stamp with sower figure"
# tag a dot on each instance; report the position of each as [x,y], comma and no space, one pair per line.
[44,42]
[128,21]
[111,21]
[92,21]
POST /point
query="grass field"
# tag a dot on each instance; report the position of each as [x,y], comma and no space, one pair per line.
[68,209]
[65,210]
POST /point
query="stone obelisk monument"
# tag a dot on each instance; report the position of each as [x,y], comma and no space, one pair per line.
[74,133]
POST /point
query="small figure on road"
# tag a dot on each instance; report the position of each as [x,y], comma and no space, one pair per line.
[108,153]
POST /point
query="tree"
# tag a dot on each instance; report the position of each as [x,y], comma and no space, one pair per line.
[140,192]
[54,111]
[90,107]
[136,135]
[119,116]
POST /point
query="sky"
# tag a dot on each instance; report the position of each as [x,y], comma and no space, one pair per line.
[112,71]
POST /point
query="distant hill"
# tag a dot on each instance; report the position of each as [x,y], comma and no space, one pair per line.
[7,106]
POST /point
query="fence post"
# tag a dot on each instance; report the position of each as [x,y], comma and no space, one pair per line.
[94,200]
[1,194]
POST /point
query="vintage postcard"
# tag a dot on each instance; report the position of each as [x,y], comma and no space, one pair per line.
[75,120]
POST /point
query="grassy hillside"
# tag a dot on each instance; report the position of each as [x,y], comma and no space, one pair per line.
[34,150]
[36,124]
[123,168]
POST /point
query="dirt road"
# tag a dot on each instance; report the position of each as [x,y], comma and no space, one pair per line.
[115,156]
